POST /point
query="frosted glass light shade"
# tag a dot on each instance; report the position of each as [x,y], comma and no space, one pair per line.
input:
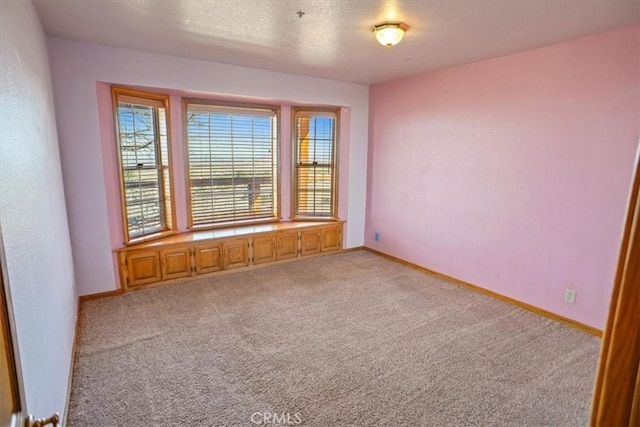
[390,33]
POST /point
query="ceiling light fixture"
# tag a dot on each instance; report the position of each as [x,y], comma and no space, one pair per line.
[390,33]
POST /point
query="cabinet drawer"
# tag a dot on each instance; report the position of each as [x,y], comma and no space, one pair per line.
[236,253]
[331,239]
[208,258]
[264,249]
[143,267]
[310,242]
[176,263]
[287,245]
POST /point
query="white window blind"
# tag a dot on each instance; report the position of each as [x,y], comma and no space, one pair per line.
[232,156]
[315,164]
[144,163]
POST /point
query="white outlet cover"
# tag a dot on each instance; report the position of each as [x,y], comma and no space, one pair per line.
[570,296]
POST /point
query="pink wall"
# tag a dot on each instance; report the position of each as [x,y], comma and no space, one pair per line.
[511,173]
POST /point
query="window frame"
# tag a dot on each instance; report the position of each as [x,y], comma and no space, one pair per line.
[294,169]
[170,213]
[186,101]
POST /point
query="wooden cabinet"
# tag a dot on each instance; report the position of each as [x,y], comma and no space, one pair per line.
[143,267]
[176,263]
[264,249]
[331,238]
[201,252]
[236,253]
[208,258]
[310,242]
[287,245]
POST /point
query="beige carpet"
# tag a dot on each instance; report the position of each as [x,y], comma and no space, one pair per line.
[342,340]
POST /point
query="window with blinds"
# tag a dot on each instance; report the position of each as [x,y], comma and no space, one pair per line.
[143,147]
[315,164]
[232,162]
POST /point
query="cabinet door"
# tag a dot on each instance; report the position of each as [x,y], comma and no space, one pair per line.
[143,267]
[331,238]
[264,249]
[236,253]
[287,245]
[175,263]
[208,258]
[310,242]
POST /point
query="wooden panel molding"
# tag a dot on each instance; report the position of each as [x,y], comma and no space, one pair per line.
[264,249]
[310,242]
[175,263]
[143,267]
[208,258]
[235,253]
[287,246]
[331,239]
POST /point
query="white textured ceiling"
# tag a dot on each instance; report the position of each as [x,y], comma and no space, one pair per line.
[333,38]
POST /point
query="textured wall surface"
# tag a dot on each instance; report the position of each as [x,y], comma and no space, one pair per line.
[513,173]
[90,181]
[33,216]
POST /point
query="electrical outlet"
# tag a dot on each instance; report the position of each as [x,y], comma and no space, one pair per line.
[376,237]
[570,296]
